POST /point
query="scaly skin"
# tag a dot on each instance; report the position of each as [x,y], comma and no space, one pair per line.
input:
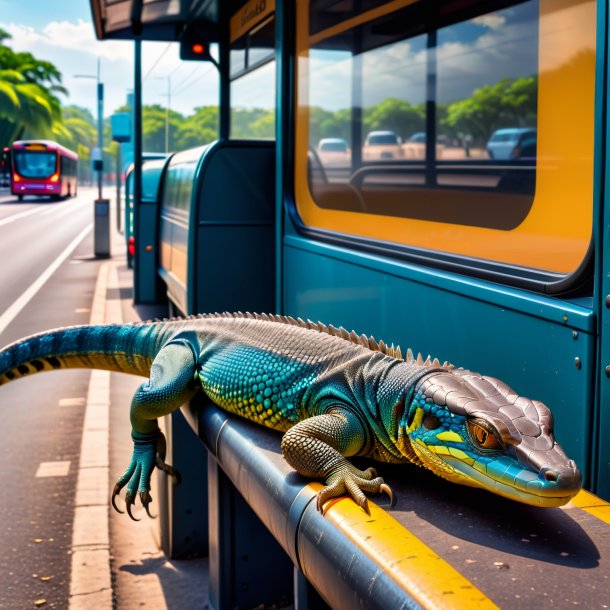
[333,393]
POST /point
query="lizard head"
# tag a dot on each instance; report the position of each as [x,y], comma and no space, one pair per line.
[476,431]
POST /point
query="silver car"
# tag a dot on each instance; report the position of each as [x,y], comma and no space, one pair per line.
[509,143]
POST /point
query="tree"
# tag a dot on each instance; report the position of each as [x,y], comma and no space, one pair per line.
[396,115]
[81,137]
[508,103]
[197,129]
[29,105]
[245,121]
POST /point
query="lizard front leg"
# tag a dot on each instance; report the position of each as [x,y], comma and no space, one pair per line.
[317,447]
[172,382]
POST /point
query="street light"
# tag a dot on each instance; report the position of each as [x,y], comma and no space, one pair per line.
[169,98]
[100,124]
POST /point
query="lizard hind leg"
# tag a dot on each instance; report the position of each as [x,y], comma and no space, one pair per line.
[317,447]
[172,382]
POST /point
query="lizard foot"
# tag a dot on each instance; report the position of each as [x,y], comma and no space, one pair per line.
[148,452]
[348,479]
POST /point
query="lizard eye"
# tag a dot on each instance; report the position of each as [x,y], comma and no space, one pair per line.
[483,437]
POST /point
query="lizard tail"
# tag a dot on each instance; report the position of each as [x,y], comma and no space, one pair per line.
[128,348]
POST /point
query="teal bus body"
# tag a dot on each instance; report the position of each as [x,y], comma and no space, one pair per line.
[216,232]
[429,172]
[152,171]
[256,224]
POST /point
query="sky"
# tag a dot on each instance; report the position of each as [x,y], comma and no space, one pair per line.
[62,33]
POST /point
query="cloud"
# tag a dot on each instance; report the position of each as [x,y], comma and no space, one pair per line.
[72,47]
[493,21]
[76,36]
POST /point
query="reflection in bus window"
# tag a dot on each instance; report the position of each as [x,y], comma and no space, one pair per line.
[419,100]
[487,83]
[253,82]
[468,129]
[253,104]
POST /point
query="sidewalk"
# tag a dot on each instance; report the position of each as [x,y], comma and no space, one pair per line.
[140,575]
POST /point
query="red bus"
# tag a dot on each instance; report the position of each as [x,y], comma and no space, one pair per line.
[42,167]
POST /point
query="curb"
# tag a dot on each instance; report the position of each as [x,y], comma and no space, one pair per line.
[91,581]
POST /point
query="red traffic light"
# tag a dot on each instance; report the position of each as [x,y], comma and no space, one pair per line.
[195,45]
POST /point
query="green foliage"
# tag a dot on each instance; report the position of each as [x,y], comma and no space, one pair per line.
[508,103]
[396,115]
[29,106]
[252,123]
[80,126]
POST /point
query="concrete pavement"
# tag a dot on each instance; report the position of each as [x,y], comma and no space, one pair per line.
[116,562]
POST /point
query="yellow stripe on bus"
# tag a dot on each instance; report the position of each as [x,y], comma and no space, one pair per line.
[413,565]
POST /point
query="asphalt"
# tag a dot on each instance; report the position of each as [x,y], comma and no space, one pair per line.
[117,563]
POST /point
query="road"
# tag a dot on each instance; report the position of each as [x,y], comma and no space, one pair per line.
[41,417]
[49,280]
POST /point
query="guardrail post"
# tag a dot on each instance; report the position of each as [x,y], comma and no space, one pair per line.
[305,595]
[248,568]
[183,508]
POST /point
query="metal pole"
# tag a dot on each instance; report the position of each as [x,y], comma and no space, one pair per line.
[118,189]
[169,101]
[137,163]
[100,127]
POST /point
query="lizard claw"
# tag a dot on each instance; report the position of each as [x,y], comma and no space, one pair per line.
[146,499]
[387,490]
[130,500]
[149,451]
[115,493]
[170,470]
[348,479]
[363,503]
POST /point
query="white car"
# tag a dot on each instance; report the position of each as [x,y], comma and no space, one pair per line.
[380,145]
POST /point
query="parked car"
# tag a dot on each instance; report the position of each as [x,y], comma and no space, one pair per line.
[334,151]
[418,138]
[512,143]
[382,145]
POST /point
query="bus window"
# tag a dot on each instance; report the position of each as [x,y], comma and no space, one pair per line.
[453,143]
[35,164]
[252,56]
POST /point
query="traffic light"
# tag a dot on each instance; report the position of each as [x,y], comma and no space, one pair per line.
[194,47]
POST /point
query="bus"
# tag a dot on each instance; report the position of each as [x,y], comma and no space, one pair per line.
[43,167]
[441,228]
[153,165]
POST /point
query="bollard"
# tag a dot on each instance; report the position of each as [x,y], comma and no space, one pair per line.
[101,228]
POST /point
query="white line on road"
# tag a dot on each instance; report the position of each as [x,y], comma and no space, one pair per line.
[53,469]
[11,313]
[48,209]
[14,217]
[78,401]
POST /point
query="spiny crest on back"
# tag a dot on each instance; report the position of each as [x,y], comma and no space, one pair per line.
[352,337]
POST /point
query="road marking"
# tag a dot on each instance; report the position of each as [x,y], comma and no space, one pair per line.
[53,469]
[10,219]
[37,210]
[72,402]
[13,311]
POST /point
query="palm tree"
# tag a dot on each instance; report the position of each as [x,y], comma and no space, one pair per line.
[28,96]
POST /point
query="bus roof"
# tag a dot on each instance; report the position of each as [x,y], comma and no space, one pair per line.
[47,144]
